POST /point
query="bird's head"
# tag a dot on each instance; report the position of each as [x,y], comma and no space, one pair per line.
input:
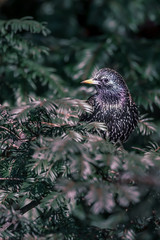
[107,80]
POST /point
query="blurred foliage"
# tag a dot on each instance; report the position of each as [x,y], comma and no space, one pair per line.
[57,179]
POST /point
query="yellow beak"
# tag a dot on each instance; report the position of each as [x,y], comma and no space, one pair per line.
[90,81]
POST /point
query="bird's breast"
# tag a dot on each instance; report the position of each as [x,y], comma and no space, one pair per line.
[109,104]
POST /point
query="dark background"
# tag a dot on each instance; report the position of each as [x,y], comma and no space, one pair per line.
[91,34]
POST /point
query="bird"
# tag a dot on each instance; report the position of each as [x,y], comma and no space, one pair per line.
[112,105]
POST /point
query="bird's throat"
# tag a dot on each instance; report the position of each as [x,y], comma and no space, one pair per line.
[112,99]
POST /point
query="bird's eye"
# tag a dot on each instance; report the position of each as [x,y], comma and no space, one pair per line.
[104,80]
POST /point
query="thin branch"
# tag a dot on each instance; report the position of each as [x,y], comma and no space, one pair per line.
[55,125]
[23,210]
[11,132]
[157,149]
[30,205]
[11,179]
[141,150]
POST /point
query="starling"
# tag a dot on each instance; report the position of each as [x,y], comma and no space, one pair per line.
[112,104]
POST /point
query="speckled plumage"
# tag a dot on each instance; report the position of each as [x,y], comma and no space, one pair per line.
[112,104]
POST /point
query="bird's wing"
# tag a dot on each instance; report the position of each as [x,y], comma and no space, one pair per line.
[91,100]
[123,123]
[85,117]
[135,114]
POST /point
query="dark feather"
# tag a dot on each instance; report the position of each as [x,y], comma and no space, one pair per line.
[112,105]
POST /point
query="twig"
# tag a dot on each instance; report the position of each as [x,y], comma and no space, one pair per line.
[23,210]
[157,149]
[141,150]
[30,205]
[10,132]
[11,179]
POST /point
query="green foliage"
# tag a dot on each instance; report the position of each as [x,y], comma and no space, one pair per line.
[22,72]
[58,178]
[72,183]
